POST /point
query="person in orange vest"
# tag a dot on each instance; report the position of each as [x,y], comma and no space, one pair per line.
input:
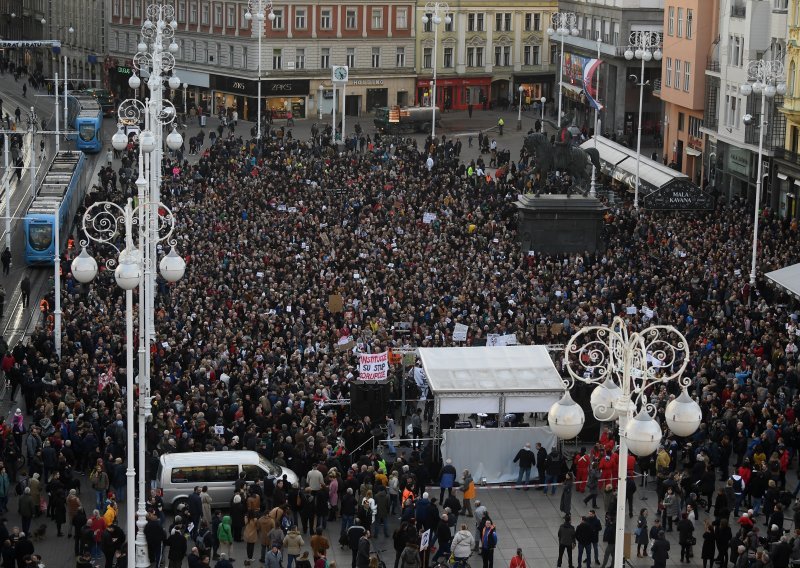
[44,306]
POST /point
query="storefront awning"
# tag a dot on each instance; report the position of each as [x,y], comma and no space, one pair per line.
[787,278]
[692,152]
[571,88]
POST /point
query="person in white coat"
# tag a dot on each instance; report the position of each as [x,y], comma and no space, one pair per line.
[462,544]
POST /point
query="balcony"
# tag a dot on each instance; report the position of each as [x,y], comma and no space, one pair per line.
[738,11]
[712,65]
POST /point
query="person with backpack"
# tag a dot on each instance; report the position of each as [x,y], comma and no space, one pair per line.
[488,544]
[225,535]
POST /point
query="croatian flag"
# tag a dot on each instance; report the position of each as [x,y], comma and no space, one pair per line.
[589,88]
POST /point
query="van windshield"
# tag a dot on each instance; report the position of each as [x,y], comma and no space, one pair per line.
[273,469]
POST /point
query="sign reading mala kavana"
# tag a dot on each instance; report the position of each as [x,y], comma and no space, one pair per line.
[373,366]
[680,195]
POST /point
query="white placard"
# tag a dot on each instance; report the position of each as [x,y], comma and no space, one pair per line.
[428,218]
[630,310]
[373,366]
[460,332]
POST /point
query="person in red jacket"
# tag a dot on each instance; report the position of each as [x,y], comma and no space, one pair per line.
[581,464]
[608,475]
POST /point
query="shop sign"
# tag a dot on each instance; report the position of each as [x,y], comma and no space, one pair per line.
[285,88]
[358,82]
[739,161]
[680,195]
[123,70]
[273,88]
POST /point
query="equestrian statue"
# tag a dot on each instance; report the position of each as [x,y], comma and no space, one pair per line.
[563,156]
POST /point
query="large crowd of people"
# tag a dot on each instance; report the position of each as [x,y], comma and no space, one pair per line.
[251,351]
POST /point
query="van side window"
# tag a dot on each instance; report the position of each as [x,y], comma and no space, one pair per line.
[253,472]
[205,474]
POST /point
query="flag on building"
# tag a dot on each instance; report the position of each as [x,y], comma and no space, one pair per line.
[590,84]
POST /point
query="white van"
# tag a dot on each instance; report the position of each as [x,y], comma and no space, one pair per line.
[179,474]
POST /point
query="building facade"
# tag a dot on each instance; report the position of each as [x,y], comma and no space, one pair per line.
[219,53]
[485,54]
[749,30]
[24,20]
[690,29]
[787,159]
[84,48]
[612,21]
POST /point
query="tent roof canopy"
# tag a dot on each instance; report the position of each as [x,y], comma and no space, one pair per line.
[490,370]
[787,278]
[620,162]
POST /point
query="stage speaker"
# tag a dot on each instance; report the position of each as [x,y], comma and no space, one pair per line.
[370,399]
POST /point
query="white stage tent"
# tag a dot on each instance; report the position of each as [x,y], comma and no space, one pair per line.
[787,278]
[489,380]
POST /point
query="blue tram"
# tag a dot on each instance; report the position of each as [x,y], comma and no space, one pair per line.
[85,116]
[62,190]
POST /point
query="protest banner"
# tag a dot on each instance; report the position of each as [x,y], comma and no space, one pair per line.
[373,366]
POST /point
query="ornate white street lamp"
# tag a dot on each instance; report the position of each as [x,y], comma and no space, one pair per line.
[435,9]
[767,80]
[259,8]
[624,366]
[646,46]
[563,24]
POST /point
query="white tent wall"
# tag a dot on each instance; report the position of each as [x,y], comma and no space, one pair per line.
[489,452]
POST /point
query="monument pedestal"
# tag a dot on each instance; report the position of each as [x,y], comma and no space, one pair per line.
[555,224]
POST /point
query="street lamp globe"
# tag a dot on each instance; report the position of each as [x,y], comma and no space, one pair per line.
[550,31]
[781,89]
[746,89]
[639,53]
[173,24]
[602,400]
[437,20]
[642,434]
[260,16]
[134,81]
[147,141]
[84,267]
[141,47]
[174,139]
[148,24]
[173,47]
[71,30]
[271,17]
[448,20]
[543,100]
[575,32]
[769,91]
[628,54]
[566,417]
[683,415]
[658,55]
[174,82]
[248,16]
[128,272]
[119,141]
[43,21]
[185,86]
[758,87]
[647,56]
[172,266]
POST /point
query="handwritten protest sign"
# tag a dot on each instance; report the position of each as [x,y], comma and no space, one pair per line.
[373,366]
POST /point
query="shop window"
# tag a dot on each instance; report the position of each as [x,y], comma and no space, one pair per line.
[350,60]
[325,19]
[277,23]
[400,57]
[377,18]
[300,18]
[448,57]
[401,19]
[325,58]
[300,58]
[427,58]
[376,57]
[277,57]
[351,19]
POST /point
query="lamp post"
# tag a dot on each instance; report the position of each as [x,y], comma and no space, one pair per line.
[69,30]
[521,90]
[563,24]
[185,110]
[623,366]
[320,90]
[543,100]
[593,187]
[157,60]
[646,46]
[435,9]
[259,7]
[767,77]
